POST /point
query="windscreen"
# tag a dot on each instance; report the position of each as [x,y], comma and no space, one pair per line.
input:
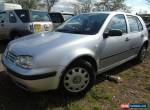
[56,17]
[83,24]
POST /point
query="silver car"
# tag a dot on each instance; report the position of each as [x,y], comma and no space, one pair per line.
[17,23]
[73,55]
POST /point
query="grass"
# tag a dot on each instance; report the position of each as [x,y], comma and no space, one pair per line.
[105,95]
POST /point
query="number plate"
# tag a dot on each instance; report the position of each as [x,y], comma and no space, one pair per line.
[37,28]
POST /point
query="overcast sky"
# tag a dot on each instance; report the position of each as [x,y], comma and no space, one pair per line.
[137,5]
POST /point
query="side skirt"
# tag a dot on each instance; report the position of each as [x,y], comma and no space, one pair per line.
[115,64]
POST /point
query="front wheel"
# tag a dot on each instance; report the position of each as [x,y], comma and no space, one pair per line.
[78,78]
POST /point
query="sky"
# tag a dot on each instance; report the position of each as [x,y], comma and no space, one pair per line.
[137,5]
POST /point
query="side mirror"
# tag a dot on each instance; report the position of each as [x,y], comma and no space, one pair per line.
[114,32]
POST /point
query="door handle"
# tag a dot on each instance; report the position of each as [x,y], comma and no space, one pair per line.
[127,39]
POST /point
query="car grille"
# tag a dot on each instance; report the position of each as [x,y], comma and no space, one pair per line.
[10,56]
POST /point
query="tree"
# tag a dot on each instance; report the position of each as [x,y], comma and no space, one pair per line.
[26,4]
[148,1]
[50,4]
[111,5]
[87,6]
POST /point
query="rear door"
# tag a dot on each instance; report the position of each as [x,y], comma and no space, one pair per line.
[114,49]
[136,34]
[41,21]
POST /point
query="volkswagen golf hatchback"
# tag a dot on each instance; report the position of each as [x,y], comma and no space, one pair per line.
[73,55]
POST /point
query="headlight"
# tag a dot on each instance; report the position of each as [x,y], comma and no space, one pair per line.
[24,61]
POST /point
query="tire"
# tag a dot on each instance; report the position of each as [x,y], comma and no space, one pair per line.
[142,54]
[78,78]
[14,36]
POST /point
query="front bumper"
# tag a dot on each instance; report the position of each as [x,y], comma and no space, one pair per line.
[35,83]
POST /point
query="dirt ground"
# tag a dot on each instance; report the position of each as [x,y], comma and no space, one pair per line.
[105,95]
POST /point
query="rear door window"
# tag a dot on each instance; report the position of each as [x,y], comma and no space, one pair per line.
[40,16]
[135,24]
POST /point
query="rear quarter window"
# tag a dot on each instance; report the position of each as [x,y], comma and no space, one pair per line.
[140,24]
[12,18]
[23,15]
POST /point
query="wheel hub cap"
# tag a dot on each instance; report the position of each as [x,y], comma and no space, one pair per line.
[76,79]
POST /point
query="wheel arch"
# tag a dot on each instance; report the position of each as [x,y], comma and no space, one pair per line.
[13,33]
[146,43]
[90,61]
[87,58]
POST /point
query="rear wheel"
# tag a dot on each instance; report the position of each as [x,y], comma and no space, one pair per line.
[14,35]
[142,54]
[78,78]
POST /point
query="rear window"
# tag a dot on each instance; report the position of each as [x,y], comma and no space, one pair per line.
[56,17]
[12,18]
[24,15]
[40,16]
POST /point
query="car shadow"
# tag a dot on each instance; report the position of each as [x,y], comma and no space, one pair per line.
[14,98]
[3,44]
[115,71]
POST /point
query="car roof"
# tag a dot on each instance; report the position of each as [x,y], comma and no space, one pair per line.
[24,10]
[63,13]
[112,12]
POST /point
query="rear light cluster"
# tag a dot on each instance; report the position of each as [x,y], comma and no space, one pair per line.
[31,28]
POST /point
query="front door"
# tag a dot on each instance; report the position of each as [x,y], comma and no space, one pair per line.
[114,49]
